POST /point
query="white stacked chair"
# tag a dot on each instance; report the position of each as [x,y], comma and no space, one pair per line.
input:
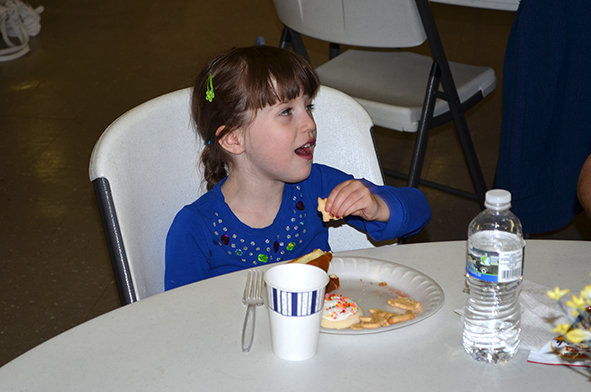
[401,90]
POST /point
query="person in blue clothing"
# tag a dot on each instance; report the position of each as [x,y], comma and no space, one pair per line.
[253,108]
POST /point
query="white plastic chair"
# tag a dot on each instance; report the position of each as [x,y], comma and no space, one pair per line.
[145,168]
[399,89]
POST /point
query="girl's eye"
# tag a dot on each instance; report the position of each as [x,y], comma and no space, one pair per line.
[310,107]
[286,112]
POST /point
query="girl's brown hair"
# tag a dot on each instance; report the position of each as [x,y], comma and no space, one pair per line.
[244,80]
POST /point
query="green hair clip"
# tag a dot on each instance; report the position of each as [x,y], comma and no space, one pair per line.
[209,94]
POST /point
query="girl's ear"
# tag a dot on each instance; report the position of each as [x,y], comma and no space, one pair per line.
[231,141]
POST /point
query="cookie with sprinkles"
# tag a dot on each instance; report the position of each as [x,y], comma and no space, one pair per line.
[339,312]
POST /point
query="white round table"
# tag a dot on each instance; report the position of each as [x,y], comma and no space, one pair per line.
[189,339]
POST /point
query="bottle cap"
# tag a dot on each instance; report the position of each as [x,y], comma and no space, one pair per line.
[498,199]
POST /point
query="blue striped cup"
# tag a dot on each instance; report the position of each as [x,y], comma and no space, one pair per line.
[295,290]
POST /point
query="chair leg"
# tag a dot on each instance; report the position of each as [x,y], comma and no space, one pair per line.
[293,39]
[418,156]
[469,153]
[431,95]
[451,95]
[117,253]
[334,50]
[285,41]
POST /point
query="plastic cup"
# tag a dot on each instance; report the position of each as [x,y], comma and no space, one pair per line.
[295,299]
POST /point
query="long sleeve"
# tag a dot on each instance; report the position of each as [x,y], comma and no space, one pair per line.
[409,213]
[409,208]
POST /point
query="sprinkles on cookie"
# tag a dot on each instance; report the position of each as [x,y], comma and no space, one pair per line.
[341,307]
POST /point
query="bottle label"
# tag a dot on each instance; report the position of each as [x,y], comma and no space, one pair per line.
[493,266]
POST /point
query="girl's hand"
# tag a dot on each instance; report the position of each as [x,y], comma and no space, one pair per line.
[354,198]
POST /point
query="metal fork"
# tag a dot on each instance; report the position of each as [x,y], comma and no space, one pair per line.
[253,297]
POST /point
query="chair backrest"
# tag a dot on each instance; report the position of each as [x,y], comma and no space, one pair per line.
[375,23]
[149,156]
[145,169]
[372,24]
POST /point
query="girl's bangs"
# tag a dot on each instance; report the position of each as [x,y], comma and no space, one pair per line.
[288,86]
[284,84]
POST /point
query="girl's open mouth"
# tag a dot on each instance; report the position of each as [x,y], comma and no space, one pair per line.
[306,150]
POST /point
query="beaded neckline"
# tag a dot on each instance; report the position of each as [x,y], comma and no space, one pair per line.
[279,241]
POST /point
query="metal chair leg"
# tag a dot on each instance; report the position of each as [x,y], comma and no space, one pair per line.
[334,50]
[293,39]
[470,155]
[451,95]
[418,157]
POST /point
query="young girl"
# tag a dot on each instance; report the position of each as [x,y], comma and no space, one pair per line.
[253,109]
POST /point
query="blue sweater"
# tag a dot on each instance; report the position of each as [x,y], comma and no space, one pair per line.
[206,239]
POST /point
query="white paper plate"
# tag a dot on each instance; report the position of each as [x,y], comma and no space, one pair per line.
[360,278]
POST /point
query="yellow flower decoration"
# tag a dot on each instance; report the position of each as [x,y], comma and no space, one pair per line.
[576,303]
[578,335]
[579,331]
[557,293]
[561,329]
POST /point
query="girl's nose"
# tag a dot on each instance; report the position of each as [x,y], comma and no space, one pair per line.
[308,123]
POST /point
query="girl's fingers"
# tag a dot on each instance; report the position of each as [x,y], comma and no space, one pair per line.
[348,198]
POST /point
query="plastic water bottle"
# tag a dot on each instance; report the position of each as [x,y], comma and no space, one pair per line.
[494,267]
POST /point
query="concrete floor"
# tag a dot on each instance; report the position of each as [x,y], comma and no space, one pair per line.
[94,60]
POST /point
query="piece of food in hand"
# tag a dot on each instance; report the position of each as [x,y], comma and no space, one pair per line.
[321,259]
[325,215]
[339,312]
